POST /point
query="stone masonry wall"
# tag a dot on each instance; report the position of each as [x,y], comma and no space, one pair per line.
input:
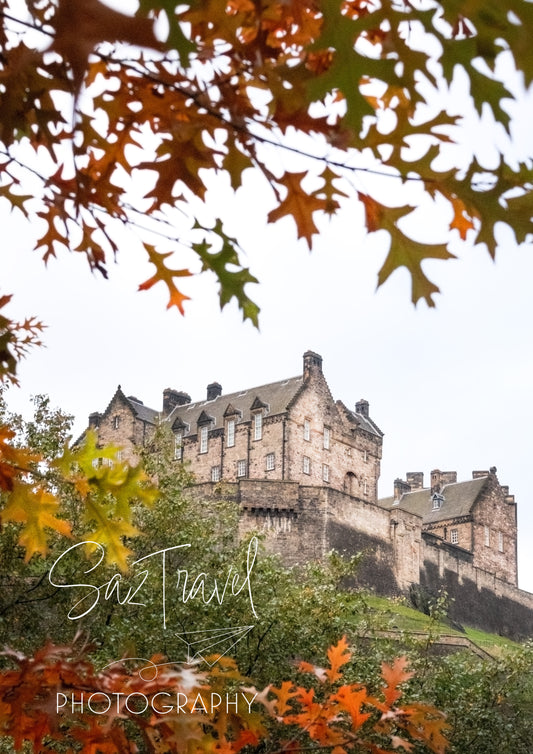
[495,532]
[118,426]
[246,448]
[351,456]
[462,527]
[479,598]
[303,524]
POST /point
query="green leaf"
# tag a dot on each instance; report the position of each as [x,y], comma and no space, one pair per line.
[348,68]
[232,282]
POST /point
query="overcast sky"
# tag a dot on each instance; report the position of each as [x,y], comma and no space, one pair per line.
[450,387]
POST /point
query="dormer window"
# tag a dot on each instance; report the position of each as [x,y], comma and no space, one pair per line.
[437,501]
[178,446]
[204,438]
[230,433]
[258,425]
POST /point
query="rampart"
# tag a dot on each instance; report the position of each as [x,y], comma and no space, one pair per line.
[304,523]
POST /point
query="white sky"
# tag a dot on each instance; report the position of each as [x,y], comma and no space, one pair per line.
[450,387]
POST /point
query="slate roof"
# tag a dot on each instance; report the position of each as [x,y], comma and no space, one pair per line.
[364,422]
[276,396]
[459,499]
[142,412]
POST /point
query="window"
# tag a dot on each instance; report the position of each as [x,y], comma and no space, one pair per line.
[203,438]
[487,536]
[325,472]
[365,456]
[119,456]
[307,465]
[270,461]
[327,437]
[307,429]
[500,541]
[437,501]
[258,426]
[241,468]
[178,446]
[215,473]
[454,537]
[230,438]
[116,422]
[365,487]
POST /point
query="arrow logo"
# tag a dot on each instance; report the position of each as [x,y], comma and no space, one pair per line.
[217,640]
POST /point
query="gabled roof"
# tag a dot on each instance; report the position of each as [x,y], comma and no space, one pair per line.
[459,500]
[141,411]
[275,396]
[361,420]
[137,407]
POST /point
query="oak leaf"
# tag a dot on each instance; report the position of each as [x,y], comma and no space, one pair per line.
[300,205]
[98,23]
[394,675]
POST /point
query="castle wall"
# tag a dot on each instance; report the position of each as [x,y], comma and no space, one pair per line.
[462,527]
[479,597]
[303,524]
[246,448]
[350,455]
[119,427]
[495,532]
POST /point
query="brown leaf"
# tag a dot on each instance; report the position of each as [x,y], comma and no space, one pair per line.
[299,205]
[81,26]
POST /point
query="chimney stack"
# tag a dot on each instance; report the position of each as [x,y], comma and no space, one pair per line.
[440,478]
[415,479]
[400,489]
[312,364]
[94,420]
[362,407]
[173,398]
[213,391]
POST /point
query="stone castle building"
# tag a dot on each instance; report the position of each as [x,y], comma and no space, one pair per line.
[304,468]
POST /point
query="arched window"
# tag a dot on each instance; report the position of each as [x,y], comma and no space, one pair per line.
[349,484]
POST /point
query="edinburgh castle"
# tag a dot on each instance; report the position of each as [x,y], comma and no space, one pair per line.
[303,468]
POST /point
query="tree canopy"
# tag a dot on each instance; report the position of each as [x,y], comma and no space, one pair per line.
[113,121]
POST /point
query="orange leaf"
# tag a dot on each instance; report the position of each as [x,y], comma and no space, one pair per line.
[337,656]
[286,692]
[394,675]
[299,205]
[351,700]
[461,221]
[165,275]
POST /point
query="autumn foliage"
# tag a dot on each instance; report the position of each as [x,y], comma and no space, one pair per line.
[109,124]
[104,487]
[58,697]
